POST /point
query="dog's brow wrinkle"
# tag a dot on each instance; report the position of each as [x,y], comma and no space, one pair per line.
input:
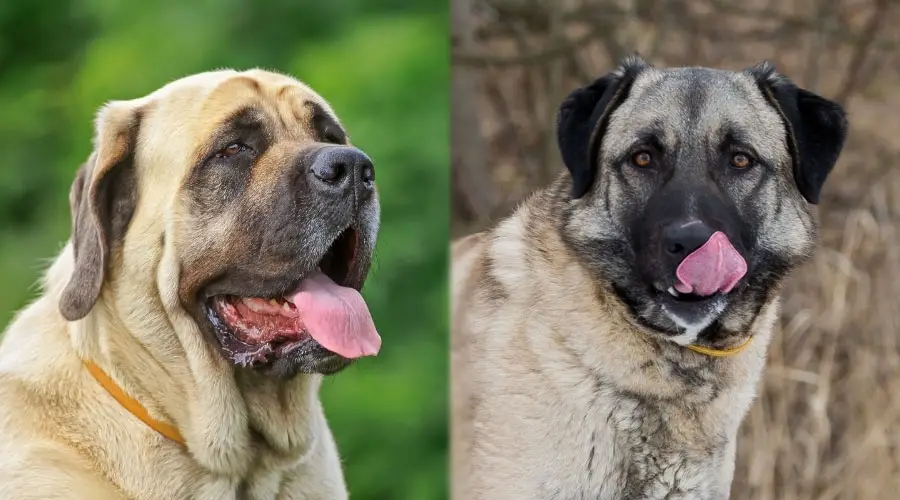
[247,81]
[284,90]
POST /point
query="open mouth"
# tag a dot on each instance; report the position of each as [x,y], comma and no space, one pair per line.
[322,309]
[673,295]
[686,305]
[340,256]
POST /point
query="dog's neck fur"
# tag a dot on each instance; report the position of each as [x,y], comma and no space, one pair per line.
[652,379]
[229,440]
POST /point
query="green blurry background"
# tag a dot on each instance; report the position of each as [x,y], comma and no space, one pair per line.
[383,65]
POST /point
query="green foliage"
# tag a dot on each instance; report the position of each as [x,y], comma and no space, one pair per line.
[384,68]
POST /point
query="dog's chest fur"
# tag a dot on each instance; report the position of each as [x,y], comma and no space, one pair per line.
[588,440]
[625,448]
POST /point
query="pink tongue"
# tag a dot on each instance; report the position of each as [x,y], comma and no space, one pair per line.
[336,317]
[714,267]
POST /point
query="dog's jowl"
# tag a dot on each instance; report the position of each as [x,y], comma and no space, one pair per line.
[222,230]
[609,336]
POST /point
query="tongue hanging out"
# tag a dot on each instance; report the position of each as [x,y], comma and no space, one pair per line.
[715,267]
[336,317]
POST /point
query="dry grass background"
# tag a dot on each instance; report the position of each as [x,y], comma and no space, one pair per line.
[827,422]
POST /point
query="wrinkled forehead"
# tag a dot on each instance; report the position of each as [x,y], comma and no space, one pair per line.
[285,102]
[184,119]
[201,105]
[694,107]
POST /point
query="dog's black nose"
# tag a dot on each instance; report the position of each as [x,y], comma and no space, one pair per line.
[680,238]
[343,168]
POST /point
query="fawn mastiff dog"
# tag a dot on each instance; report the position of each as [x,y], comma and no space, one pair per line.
[609,336]
[222,229]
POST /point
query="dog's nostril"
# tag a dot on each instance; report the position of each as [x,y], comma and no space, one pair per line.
[329,171]
[368,173]
[675,249]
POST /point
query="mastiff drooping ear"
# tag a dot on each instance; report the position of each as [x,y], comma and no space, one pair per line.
[582,119]
[102,199]
[816,128]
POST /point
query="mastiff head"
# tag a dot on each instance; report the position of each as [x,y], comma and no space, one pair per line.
[691,189]
[230,209]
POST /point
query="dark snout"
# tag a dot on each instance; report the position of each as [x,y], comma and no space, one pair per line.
[342,171]
[692,244]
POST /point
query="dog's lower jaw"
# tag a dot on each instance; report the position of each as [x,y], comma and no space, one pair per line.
[690,331]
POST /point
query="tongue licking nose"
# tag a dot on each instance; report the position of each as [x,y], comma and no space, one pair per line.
[714,267]
[336,317]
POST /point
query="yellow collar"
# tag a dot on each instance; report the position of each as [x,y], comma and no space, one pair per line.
[720,353]
[130,404]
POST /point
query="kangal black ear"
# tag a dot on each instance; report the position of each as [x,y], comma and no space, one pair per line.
[816,128]
[102,200]
[582,118]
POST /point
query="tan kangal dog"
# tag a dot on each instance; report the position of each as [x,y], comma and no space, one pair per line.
[222,228]
[609,336]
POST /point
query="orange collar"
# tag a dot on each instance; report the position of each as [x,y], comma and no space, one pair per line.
[720,353]
[130,404]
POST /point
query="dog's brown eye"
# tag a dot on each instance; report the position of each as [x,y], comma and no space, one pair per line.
[641,159]
[740,160]
[231,150]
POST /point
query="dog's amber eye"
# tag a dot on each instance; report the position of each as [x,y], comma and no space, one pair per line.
[641,159]
[231,150]
[740,160]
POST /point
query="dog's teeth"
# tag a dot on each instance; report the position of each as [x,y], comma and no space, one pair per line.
[254,305]
[286,306]
[274,302]
[672,291]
